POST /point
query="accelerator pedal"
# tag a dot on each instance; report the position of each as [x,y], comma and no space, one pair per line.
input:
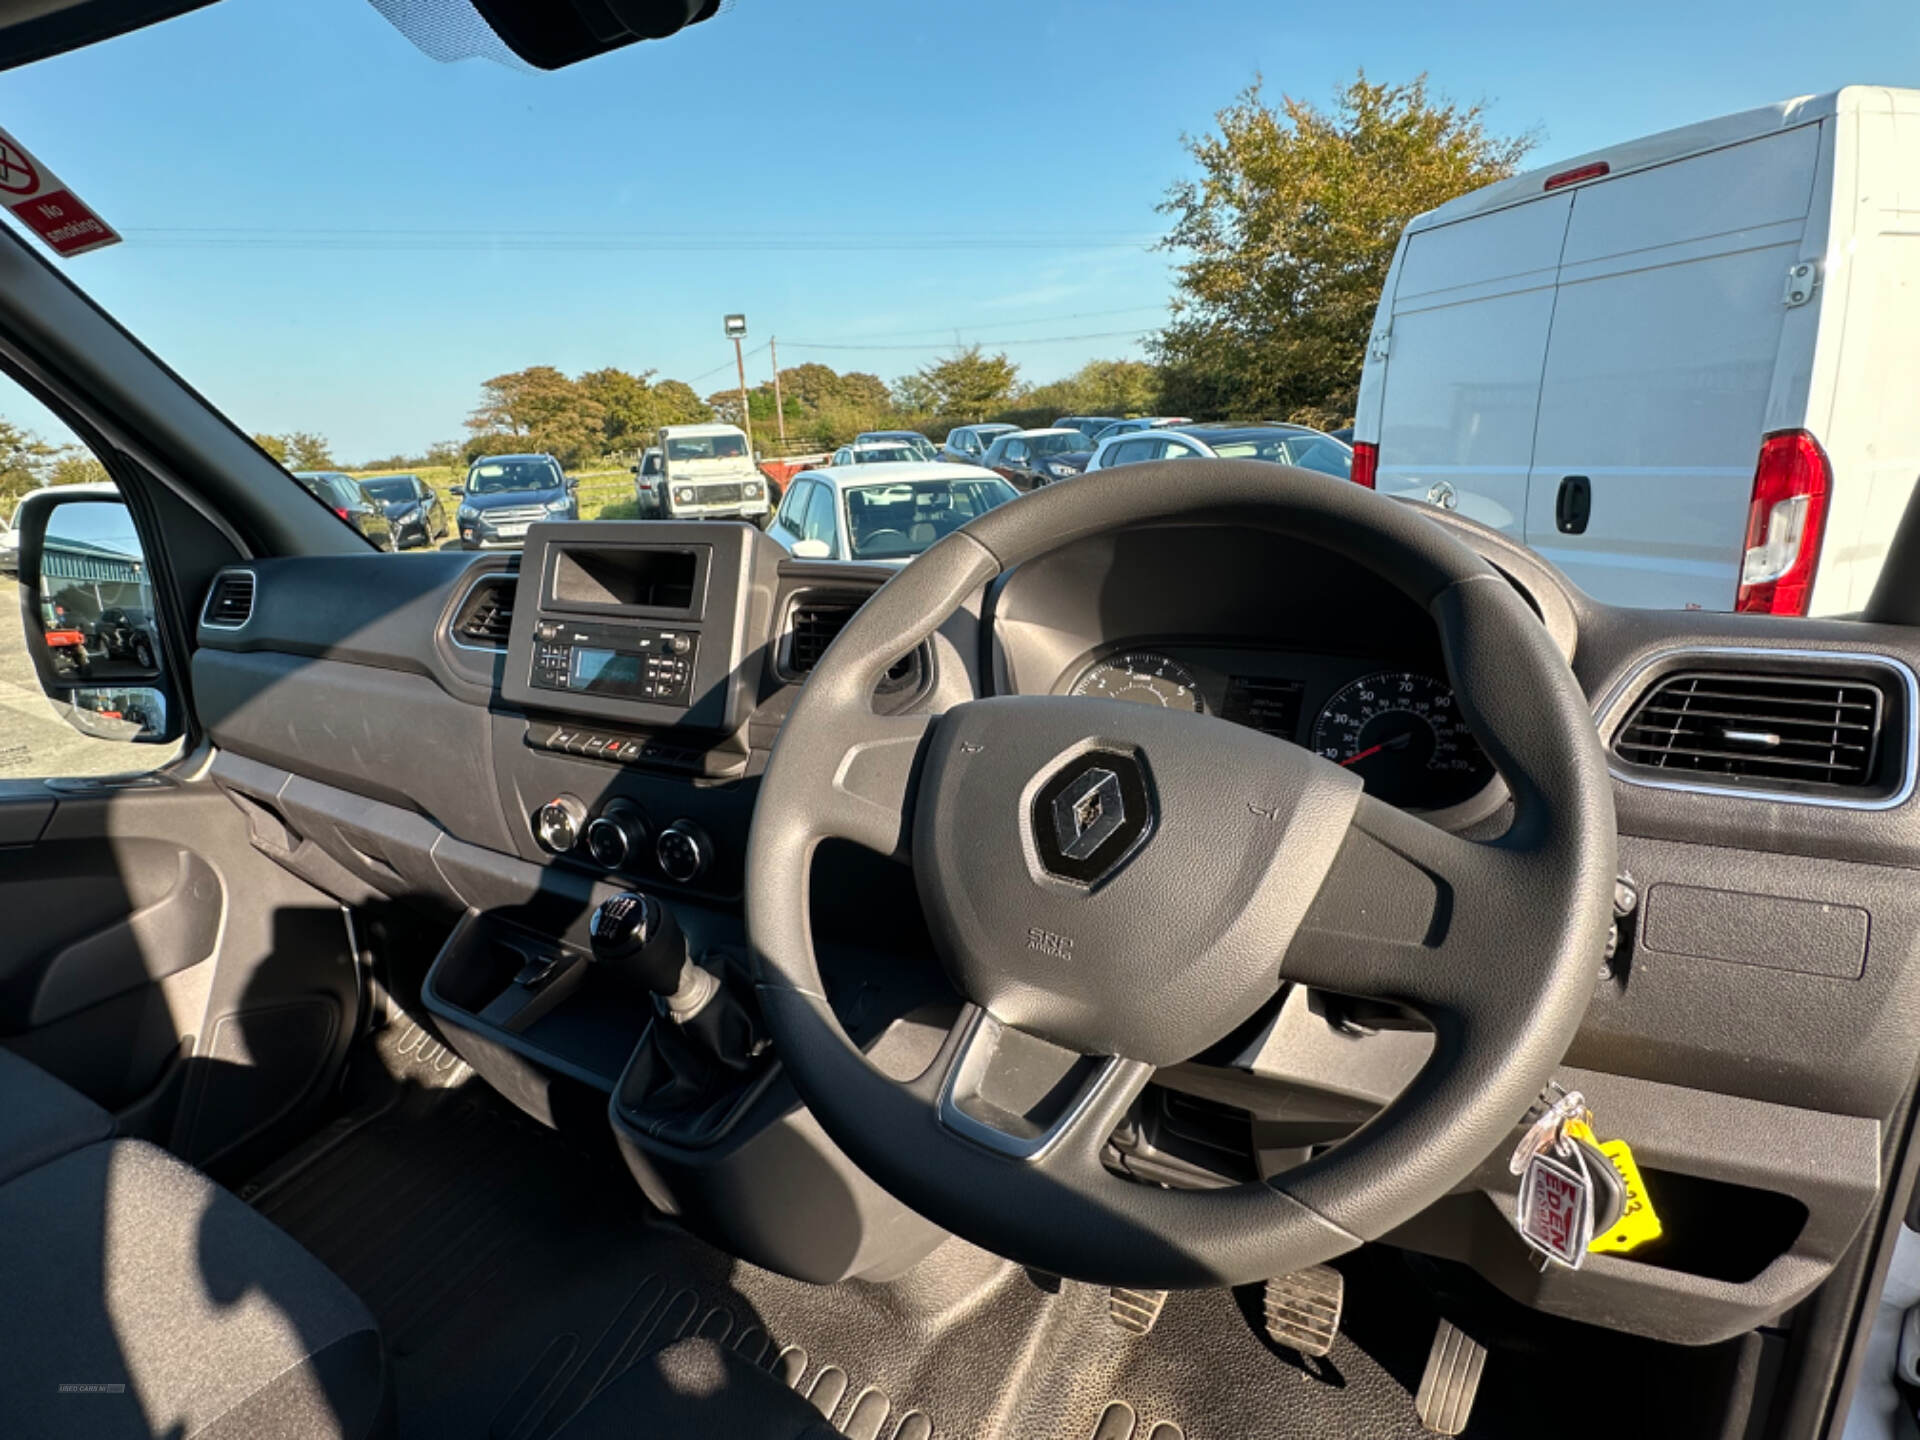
[1303,1309]
[1135,1310]
[1451,1380]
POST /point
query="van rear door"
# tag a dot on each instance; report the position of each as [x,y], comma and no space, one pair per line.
[1471,311]
[1665,337]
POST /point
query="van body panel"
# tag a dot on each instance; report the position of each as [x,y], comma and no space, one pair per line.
[1468,338]
[1666,332]
[1671,347]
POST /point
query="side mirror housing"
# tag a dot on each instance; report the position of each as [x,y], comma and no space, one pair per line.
[811,550]
[457,491]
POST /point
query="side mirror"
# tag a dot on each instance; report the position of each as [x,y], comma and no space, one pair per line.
[811,550]
[87,606]
[457,491]
[634,469]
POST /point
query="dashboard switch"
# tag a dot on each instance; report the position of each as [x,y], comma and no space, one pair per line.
[684,852]
[615,833]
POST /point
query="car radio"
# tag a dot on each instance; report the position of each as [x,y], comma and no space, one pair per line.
[624,662]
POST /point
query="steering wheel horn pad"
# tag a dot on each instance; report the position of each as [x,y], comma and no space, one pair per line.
[1091,944]
[1179,941]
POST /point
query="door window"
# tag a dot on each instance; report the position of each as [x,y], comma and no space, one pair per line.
[83,693]
[794,507]
[820,523]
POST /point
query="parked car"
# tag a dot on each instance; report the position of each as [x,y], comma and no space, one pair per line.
[125,633]
[348,499]
[1141,422]
[926,448]
[968,444]
[504,494]
[706,472]
[891,452]
[885,513]
[1344,434]
[1087,425]
[1640,364]
[9,548]
[1031,458]
[413,508]
[1281,444]
[650,484]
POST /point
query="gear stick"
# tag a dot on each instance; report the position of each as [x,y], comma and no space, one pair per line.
[636,937]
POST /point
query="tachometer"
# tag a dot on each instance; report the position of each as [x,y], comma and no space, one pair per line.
[1142,678]
[1401,733]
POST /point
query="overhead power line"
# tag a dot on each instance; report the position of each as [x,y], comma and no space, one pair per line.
[200,237]
[1016,340]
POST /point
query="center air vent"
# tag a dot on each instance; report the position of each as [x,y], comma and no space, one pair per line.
[815,621]
[485,617]
[230,602]
[1749,729]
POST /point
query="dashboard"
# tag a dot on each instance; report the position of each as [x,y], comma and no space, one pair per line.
[408,732]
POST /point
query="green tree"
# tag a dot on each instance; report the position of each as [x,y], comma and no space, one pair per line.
[76,466]
[542,410]
[968,384]
[307,451]
[679,405]
[273,445]
[24,461]
[627,407]
[445,454]
[1288,232]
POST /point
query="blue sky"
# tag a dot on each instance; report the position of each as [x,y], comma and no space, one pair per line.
[851,175]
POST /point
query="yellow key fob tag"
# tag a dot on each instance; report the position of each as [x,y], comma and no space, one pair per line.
[1637,1223]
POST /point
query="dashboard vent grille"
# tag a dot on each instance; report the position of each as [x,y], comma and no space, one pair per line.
[814,626]
[230,602]
[814,623]
[1817,730]
[486,615]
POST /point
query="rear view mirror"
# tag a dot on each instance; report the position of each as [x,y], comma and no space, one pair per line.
[811,550]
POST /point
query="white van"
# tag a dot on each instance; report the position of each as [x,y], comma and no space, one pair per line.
[1685,369]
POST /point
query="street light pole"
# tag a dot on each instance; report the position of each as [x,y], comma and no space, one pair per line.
[746,415]
[779,405]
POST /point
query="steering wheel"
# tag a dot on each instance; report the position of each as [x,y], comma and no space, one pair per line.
[1114,888]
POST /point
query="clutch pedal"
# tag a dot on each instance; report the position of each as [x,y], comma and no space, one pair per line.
[1303,1309]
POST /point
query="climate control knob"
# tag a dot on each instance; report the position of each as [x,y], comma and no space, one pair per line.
[615,833]
[683,851]
[558,823]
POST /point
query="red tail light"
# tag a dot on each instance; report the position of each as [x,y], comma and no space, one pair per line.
[342,512]
[1791,487]
[1366,463]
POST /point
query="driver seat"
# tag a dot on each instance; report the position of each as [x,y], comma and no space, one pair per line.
[695,1390]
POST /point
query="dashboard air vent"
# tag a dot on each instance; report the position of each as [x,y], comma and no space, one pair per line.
[814,625]
[1751,729]
[230,602]
[486,615]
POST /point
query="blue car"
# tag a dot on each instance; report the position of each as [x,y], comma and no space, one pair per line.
[504,494]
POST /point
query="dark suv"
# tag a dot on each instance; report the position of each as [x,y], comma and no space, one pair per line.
[504,494]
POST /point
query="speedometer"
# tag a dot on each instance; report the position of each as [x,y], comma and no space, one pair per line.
[1144,678]
[1401,733]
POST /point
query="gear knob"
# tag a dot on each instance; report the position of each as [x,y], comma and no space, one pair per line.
[636,936]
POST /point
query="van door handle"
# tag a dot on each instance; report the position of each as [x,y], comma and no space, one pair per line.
[1573,506]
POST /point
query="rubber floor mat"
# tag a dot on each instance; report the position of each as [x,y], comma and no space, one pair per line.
[514,1277]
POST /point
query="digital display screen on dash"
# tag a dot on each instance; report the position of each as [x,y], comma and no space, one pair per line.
[605,669]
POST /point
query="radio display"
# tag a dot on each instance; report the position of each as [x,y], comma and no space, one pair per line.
[615,670]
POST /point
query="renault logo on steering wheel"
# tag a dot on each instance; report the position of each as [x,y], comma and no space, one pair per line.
[1090,816]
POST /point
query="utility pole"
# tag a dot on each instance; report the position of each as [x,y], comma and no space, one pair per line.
[736,326]
[779,406]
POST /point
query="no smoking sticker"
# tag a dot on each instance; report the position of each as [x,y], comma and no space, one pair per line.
[45,206]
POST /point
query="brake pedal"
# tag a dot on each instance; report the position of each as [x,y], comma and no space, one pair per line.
[1451,1380]
[1135,1310]
[1303,1309]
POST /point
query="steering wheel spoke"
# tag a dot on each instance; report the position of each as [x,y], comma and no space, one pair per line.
[1020,1096]
[870,800]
